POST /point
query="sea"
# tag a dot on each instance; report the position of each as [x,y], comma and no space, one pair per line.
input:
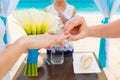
[82,6]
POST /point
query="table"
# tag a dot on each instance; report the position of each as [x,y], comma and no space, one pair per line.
[59,72]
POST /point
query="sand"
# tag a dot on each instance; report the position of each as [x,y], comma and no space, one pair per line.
[88,44]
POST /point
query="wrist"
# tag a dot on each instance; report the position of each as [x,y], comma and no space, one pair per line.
[22,43]
[90,31]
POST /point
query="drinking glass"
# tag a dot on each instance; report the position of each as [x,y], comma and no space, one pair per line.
[57,55]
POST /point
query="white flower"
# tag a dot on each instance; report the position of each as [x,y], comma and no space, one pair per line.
[36,22]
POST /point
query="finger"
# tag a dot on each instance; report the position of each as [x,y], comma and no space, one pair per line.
[73,22]
[71,26]
[76,37]
[68,28]
[73,37]
[60,44]
[61,37]
[79,20]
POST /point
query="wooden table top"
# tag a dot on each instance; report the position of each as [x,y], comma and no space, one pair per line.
[59,72]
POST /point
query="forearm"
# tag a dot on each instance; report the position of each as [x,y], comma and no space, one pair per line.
[9,57]
[111,30]
[13,52]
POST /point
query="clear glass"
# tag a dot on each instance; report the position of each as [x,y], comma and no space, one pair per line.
[57,55]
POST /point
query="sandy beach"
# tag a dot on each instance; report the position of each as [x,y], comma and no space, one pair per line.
[88,44]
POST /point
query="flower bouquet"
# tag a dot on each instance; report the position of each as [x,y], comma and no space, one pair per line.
[35,22]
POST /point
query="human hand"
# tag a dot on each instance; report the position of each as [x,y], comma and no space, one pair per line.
[42,41]
[55,39]
[76,28]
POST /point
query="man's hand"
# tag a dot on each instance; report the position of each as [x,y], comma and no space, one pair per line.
[76,27]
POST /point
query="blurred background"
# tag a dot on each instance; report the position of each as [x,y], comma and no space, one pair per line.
[80,5]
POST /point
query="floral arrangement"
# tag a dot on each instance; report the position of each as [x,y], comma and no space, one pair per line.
[35,22]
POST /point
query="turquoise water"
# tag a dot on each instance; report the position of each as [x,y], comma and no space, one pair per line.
[81,6]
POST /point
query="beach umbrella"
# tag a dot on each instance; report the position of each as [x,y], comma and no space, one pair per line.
[6,7]
[108,8]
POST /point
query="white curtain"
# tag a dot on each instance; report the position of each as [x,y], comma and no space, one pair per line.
[108,8]
[6,7]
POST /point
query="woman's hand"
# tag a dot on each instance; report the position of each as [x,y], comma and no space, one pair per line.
[42,41]
[76,27]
